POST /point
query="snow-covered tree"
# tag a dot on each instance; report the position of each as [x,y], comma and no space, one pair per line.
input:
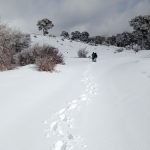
[91,40]
[111,40]
[75,35]
[99,39]
[44,25]
[141,26]
[124,39]
[84,36]
[65,34]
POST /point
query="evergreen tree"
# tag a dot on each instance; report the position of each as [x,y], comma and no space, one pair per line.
[65,34]
[75,35]
[141,26]
[45,25]
[84,36]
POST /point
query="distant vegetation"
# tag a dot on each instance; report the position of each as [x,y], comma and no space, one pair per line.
[16,50]
[138,39]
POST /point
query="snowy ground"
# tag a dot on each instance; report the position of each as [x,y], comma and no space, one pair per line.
[83,105]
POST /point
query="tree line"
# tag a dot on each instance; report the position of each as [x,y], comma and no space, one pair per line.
[140,35]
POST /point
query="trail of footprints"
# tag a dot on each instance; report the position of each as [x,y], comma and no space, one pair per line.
[61,128]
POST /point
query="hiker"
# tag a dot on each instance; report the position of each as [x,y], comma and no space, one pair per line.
[94,56]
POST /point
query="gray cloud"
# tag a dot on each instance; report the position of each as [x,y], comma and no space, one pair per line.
[96,16]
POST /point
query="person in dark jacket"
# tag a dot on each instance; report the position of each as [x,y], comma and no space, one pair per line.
[94,57]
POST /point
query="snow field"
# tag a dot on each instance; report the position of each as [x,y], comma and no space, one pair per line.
[61,126]
[82,105]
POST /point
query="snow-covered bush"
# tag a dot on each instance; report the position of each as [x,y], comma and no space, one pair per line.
[11,42]
[27,56]
[24,58]
[49,57]
[21,41]
[6,47]
[119,50]
[45,57]
[45,64]
[5,61]
[82,53]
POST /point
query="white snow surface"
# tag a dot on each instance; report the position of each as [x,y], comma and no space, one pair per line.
[82,105]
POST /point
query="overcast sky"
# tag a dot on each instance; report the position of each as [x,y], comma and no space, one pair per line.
[98,17]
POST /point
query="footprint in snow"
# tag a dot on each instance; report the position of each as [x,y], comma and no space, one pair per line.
[62,125]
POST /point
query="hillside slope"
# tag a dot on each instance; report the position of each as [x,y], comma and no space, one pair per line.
[83,105]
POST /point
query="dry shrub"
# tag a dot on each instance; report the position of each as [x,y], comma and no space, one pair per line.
[45,57]
[45,64]
[21,41]
[6,49]
[5,62]
[28,56]
[49,57]
[82,53]
[10,43]
[24,58]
